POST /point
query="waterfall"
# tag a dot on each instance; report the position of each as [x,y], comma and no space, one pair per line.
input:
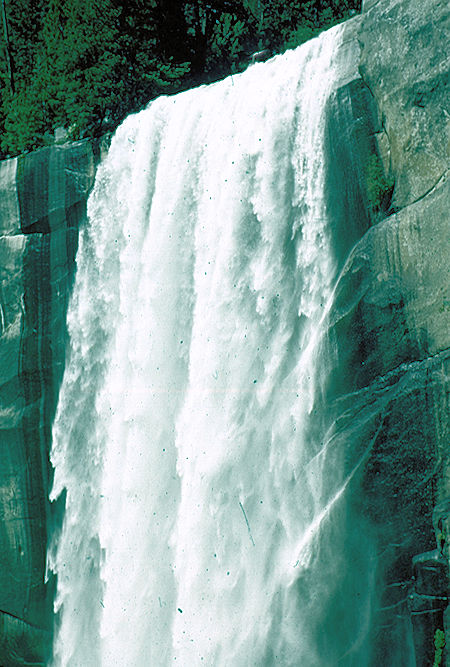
[204,501]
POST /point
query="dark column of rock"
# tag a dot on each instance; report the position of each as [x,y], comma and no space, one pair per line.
[389,330]
[43,201]
[351,124]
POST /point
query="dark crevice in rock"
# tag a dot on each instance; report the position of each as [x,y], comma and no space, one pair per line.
[393,374]
[361,70]
[349,141]
[439,181]
[25,622]
[49,224]
[22,643]
[41,226]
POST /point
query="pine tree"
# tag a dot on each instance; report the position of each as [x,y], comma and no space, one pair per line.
[79,63]
[21,119]
[85,65]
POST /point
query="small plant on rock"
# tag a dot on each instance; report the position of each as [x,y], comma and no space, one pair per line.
[379,188]
[439,643]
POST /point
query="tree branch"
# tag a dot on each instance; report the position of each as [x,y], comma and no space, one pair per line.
[9,60]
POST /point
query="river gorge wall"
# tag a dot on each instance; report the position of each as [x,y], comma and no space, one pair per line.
[43,203]
[388,331]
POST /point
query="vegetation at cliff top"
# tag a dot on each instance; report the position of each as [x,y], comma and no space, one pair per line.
[85,65]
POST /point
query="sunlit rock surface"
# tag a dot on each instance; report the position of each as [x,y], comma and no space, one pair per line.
[405,64]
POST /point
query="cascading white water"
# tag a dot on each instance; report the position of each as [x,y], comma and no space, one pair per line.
[198,480]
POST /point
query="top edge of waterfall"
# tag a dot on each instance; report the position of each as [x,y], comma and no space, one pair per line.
[334,32]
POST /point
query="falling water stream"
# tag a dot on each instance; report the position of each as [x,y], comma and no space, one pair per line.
[203,498]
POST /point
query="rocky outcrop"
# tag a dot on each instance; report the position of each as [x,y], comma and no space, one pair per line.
[42,203]
[390,325]
[404,63]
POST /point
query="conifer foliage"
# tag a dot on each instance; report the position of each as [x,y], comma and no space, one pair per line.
[85,65]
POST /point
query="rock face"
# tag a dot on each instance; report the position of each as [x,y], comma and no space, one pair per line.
[389,333]
[389,330]
[404,63]
[42,204]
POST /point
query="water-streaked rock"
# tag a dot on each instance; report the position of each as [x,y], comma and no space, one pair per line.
[42,204]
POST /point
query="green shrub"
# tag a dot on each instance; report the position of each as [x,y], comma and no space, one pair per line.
[312,24]
[299,36]
[379,188]
[227,41]
[439,643]
[23,121]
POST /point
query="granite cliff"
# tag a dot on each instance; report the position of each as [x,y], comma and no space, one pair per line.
[43,202]
[389,331]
